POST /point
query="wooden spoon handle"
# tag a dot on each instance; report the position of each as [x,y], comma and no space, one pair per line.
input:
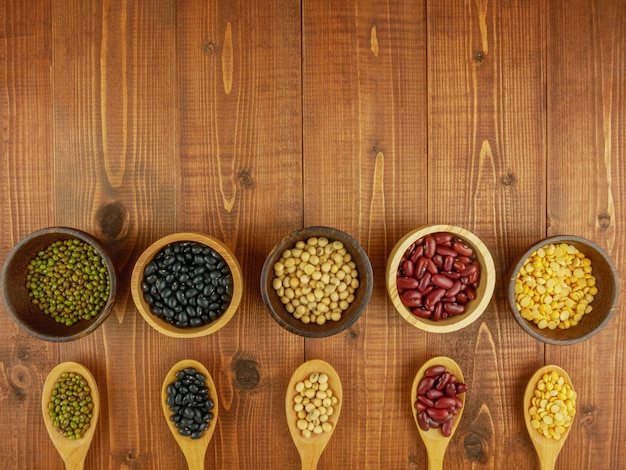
[435,461]
[195,461]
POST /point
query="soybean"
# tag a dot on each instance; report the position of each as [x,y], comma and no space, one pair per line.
[314,404]
[68,281]
[70,406]
[316,280]
[553,406]
[190,403]
[555,287]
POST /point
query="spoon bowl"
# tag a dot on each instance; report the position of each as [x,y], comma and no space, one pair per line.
[435,442]
[547,449]
[194,450]
[73,452]
[310,449]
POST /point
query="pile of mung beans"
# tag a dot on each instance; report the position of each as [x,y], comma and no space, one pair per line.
[316,280]
[69,281]
[553,406]
[70,406]
[187,284]
[555,287]
[314,404]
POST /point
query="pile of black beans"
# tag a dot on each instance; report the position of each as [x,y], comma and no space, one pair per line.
[187,284]
[189,401]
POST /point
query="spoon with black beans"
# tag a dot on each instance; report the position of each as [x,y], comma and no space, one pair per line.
[187,284]
[189,400]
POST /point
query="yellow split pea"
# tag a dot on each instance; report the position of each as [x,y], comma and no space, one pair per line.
[555,286]
[316,280]
[553,406]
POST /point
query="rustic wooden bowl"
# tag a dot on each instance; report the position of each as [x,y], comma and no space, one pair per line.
[604,303]
[17,302]
[163,326]
[349,316]
[474,308]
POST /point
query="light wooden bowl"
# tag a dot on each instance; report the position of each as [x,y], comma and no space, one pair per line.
[604,303]
[474,308]
[17,302]
[163,326]
[362,294]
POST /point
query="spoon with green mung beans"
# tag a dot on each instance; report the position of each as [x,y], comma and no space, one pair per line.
[70,404]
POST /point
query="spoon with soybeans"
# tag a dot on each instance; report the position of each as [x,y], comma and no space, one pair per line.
[313,404]
[193,445]
[71,437]
[549,409]
[437,401]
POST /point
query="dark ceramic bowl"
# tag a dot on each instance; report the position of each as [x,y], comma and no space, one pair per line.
[18,303]
[362,293]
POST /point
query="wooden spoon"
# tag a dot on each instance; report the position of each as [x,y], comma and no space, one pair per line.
[193,449]
[547,449]
[435,442]
[310,449]
[73,452]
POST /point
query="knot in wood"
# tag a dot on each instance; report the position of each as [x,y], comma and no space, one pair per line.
[475,448]
[478,56]
[604,221]
[245,178]
[508,179]
[246,374]
[112,220]
[209,47]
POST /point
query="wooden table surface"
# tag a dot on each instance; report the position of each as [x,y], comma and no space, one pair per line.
[247,120]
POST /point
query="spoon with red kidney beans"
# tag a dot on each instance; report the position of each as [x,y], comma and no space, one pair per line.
[437,276]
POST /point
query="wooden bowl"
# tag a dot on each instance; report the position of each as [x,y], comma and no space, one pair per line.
[349,316]
[165,327]
[474,308]
[604,303]
[17,302]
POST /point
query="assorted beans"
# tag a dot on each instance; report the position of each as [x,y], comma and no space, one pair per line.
[189,401]
[316,280]
[437,276]
[553,406]
[437,400]
[187,284]
[69,281]
[555,287]
[70,406]
[314,404]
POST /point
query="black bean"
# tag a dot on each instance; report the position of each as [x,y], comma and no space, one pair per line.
[148,298]
[195,322]
[180,296]
[191,292]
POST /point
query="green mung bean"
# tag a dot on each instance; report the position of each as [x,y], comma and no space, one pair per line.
[70,405]
[68,281]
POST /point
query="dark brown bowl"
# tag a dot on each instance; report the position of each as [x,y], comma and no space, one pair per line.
[349,316]
[15,295]
[604,303]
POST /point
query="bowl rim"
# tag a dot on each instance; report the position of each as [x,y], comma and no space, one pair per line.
[525,324]
[450,324]
[66,233]
[166,328]
[355,249]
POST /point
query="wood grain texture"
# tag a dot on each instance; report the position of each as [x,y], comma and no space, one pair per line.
[248,120]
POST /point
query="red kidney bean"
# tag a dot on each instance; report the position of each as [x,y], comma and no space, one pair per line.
[442,381]
[406,283]
[450,390]
[464,259]
[455,289]
[436,413]
[422,420]
[458,265]
[438,311]
[461,298]
[420,267]
[452,275]
[448,263]
[434,297]
[424,282]
[431,266]
[462,249]
[442,281]
[454,309]
[473,278]
[411,294]
[430,246]
[459,402]
[446,403]
[470,269]
[411,303]
[434,371]
[432,423]
[425,384]
[421,312]
[445,251]
[420,406]
[438,261]
[427,401]
[461,388]
[408,268]
[446,428]
[442,238]
[434,394]
[470,292]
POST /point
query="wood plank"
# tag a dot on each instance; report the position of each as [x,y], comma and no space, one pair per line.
[241,163]
[587,145]
[364,153]
[25,156]
[485,173]
[115,154]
